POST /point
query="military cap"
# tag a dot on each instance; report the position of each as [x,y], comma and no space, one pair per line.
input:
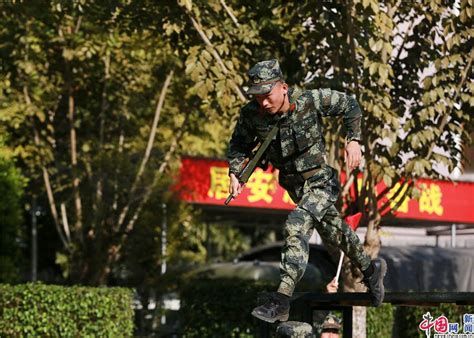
[331,322]
[294,330]
[263,76]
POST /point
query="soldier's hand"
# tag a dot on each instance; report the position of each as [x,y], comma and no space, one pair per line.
[353,154]
[235,187]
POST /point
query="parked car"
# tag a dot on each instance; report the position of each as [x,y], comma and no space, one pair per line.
[410,268]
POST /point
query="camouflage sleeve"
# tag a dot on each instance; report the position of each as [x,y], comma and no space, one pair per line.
[331,103]
[241,145]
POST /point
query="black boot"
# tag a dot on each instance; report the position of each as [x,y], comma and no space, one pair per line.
[277,307]
[373,279]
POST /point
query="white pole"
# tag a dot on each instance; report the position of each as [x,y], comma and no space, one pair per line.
[34,241]
[164,243]
[339,266]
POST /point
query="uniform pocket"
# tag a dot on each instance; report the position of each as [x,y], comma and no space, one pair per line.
[306,132]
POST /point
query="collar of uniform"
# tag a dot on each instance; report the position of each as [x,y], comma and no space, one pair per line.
[293,95]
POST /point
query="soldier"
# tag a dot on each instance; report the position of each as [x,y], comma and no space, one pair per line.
[298,151]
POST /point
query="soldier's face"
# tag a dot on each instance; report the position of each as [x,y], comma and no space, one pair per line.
[273,101]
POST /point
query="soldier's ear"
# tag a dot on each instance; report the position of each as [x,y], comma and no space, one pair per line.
[284,86]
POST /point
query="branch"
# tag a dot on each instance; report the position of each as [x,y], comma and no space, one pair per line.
[347,184]
[120,151]
[103,107]
[151,139]
[394,196]
[78,25]
[402,46]
[146,156]
[383,193]
[350,29]
[159,173]
[444,121]
[47,182]
[73,150]
[65,222]
[229,12]
[393,10]
[216,55]
[129,227]
[398,203]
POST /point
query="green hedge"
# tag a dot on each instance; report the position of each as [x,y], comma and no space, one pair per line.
[59,311]
[380,321]
[220,307]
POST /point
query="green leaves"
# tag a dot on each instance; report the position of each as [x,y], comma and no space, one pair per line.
[115,60]
[50,310]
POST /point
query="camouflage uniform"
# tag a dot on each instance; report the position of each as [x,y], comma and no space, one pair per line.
[298,151]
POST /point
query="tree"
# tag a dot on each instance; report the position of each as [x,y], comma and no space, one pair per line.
[11,234]
[80,99]
[377,52]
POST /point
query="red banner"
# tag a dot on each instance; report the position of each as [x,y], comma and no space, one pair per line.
[205,181]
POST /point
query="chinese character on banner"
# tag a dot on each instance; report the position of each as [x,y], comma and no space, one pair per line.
[426,324]
[260,185]
[287,199]
[430,200]
[219,188]
[441,324]
[403,208]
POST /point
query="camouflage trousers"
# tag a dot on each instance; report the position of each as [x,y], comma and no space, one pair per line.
[316,210]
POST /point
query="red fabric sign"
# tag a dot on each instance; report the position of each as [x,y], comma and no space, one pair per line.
[206,181]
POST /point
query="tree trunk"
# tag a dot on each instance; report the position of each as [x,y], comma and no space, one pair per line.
[352,283]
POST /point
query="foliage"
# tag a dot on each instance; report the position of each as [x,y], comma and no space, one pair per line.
[220,307]
[50,310]
[380,321]
[79,97]
[387,59]
[410,317]
[11,191]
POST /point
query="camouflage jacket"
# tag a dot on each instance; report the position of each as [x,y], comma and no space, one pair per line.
[299,145]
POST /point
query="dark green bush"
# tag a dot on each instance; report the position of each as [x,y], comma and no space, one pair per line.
[11,222]
[59,311]
[220,307]
[380,321]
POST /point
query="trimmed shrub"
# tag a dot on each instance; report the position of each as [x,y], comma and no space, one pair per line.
[36,309]
[220,307]
[380,321]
